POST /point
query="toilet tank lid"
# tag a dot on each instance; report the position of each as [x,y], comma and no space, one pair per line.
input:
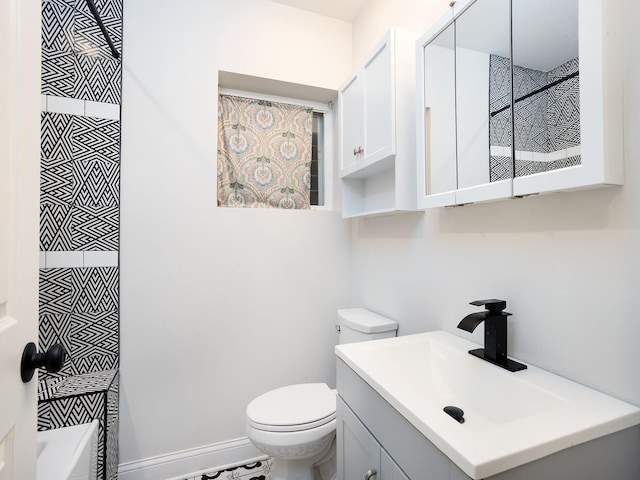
[365,321]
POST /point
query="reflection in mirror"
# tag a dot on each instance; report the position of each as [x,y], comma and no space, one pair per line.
[546,85]
[440,120]
[483,81]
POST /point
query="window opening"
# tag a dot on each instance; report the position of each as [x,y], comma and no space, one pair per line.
[320,144]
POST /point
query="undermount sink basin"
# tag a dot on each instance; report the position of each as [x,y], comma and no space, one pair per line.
[509,418]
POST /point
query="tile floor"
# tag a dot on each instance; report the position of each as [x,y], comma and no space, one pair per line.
[253,471]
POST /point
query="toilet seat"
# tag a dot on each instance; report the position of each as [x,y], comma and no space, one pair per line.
[293,408]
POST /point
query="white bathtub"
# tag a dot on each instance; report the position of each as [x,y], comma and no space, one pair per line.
[69,453]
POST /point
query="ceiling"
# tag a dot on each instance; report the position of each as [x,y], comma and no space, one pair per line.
[346,10]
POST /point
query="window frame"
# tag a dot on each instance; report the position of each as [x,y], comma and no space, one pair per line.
[327,136]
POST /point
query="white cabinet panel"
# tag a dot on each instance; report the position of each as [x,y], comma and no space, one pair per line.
[379,103]
[358,449]
[351,122]
[558,128]
[377,125]
[389,470]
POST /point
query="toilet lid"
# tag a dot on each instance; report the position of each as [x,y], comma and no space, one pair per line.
[292,408]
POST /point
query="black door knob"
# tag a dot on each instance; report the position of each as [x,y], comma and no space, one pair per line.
[52,360]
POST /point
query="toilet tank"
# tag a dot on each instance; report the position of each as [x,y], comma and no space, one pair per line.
[361,325]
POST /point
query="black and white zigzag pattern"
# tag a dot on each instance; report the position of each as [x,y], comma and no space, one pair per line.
[501,168]
[530,121]
[55,291]
[499,96]
[56,136]
[95,228]
[546,122]
[564,108]
[88,38]
[79,138]
[96,139]
[93,363]
[96,184]
[111,468]
[94,334]
[90,339]
[58,72]
[80,183]
[57,26]
[80,399]
[97,79]
[55,227]
[57,182]
[76,410]
[76,60]
[106,8]
[86,383]
[55,329]
[253,471]
[94,289]
[80,198]
[66,182]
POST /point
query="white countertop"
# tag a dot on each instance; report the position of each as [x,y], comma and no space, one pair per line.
[510,418]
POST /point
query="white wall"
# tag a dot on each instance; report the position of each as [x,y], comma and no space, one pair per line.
[217,305]
[379,15]
[568,264]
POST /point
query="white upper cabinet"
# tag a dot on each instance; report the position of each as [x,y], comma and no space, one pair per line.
[519,97]
[368,113]
[377,125]
[581,52]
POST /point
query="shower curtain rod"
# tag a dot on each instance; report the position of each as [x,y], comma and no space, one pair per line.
[96,15]
[535,92]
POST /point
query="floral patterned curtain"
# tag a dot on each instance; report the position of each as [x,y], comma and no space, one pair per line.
[264,153]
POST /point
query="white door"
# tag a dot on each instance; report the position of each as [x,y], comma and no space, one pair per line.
[19,179]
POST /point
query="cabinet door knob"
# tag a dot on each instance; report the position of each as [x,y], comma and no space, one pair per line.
[370,474]
[358,151]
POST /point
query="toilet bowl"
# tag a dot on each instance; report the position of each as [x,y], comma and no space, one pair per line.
[296,425]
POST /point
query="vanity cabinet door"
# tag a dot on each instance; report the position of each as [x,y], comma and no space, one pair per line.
[358,451]
[361,456]
[389,470]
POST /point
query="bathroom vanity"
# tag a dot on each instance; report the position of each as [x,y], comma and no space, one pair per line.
[517,425]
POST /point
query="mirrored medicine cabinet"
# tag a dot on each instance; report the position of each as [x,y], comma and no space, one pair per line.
[519,97]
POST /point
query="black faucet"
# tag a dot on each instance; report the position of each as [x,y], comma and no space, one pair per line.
[495,333]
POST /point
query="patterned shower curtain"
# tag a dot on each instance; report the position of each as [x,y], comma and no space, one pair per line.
[264,153]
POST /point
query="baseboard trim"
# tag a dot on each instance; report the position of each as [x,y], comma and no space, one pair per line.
[192,462]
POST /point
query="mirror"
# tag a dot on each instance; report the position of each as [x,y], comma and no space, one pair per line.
[546,85]
[439,115]
[483,85]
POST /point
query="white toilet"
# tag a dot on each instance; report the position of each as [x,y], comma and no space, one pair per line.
[296,425]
